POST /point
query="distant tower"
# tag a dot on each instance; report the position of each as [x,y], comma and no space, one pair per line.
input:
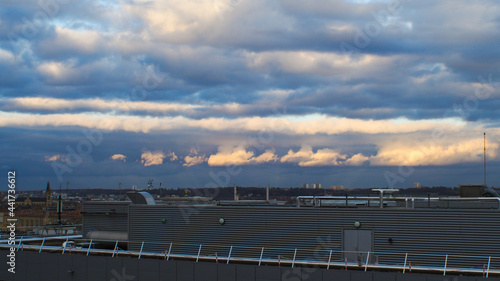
[48,196]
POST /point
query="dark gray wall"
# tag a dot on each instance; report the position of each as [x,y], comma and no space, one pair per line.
[57,267]
[95,216]
[431,231]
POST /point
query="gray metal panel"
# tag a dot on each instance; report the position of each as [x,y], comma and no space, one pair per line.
[185,271]
[311,273]
[4,274]
[295,273]
[21,263]
[226,272]
[357,240]
[96,269]
[416,277]
[148,270]
[65,267]
[267,273]
[35,262]
[205,271]
[336,275]
[168,270]
[49,270]
[245,272]
[106,216]
[361,276]
[431,231]
[79,267]
[384,276]
[129,268]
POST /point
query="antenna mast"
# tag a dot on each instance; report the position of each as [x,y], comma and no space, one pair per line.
[484,158]
[59,205]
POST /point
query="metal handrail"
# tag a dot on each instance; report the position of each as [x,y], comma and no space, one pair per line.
[280,259]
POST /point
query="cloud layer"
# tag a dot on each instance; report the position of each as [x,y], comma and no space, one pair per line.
[292,87]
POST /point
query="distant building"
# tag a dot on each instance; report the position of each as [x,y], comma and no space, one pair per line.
[30,202]
[416,185]
[28,220]
[316,185]
[36,202]
[305,185]
[337,187]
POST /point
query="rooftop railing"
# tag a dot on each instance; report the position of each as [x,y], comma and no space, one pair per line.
[316,258]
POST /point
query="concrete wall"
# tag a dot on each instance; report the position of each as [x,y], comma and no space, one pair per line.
[34,266]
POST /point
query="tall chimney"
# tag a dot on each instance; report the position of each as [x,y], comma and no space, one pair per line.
[236,196]
[267,193]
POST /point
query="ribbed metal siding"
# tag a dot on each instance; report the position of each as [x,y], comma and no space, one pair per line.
[95,218]
[439,232]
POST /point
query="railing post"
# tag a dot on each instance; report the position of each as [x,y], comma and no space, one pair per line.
[404,266]
[114,250]
[169,249]
[367,259]
[261,253]
[294,255]
[90,245]
[445,264]
[140,253]
[65,244]
[329,259]
[41,246]
[229,256]
[488,269]
[199,252]
[20,242]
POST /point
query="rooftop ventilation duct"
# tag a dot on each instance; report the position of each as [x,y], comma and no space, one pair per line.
[144,198]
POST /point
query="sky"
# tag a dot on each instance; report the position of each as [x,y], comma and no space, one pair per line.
[206,93]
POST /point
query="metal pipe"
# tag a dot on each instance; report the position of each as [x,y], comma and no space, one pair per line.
[140,253]
[445,264]
[427,199]
[229,256]
[90,245]
[65,244]
[488,270]
[20,242]
[404,266]
[41,246]
[329,259]
[168,256]
[367,259]
[116,246]
[199,252]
